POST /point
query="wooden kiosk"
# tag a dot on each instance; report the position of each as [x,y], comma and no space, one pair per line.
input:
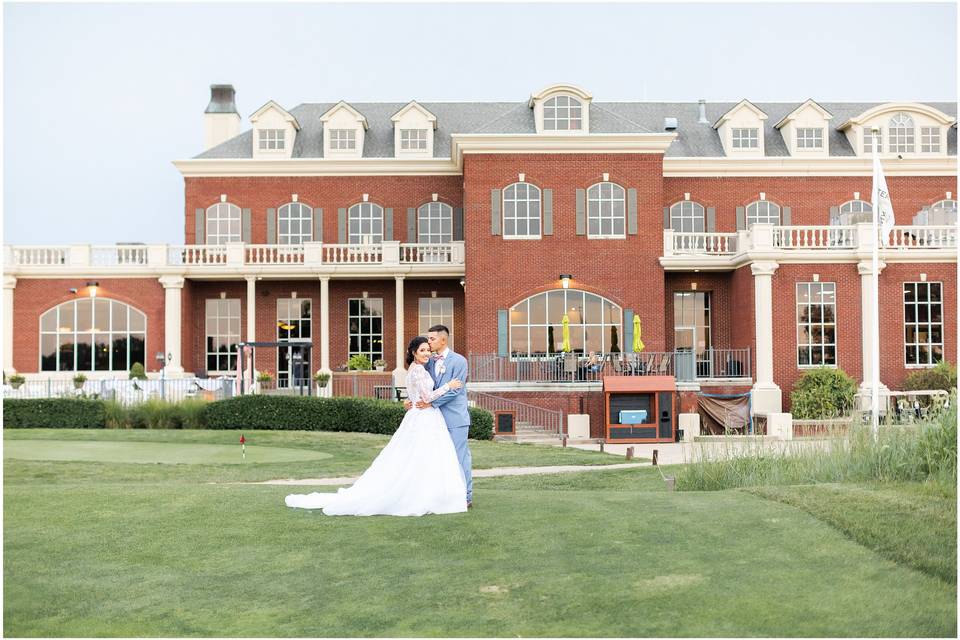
[639,408]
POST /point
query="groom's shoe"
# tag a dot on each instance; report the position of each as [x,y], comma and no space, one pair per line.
[470,505]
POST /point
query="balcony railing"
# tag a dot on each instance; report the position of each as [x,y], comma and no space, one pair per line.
[815,237]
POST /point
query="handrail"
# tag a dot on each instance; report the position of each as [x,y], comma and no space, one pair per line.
[548,421]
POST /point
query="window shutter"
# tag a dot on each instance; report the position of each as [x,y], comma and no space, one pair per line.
[411,224]
[458,224]
[741,218]
[834,215]
[627,346]
[495,212]
[388,224]
[271,226]
[666,218]
[246,228]
[786,219]
[548,212]
[711,220]
[318,224]
[502,329]
[342,225]
[581,212]
[631,212]
[201,236]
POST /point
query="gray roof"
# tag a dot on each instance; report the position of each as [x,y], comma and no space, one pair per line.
[693,138]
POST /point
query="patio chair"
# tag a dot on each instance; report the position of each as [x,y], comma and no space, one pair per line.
[664,368]
[617,364]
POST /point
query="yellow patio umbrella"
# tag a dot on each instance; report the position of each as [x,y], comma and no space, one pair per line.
[566,333]
[637,342]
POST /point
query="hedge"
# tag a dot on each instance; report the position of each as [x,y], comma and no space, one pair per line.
[52,413]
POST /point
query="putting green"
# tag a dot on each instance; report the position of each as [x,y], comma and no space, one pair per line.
[152,452]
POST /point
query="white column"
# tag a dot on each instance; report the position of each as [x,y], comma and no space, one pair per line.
[9,284]
[325,325]
[766,395]
[865,268]
[399,372]
[172,314]
[251,308]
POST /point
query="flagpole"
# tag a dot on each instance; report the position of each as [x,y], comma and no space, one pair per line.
[875,320]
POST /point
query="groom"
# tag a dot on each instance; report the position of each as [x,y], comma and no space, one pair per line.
[444,366]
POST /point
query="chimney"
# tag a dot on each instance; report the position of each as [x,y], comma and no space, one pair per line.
[220,120]
[703,112]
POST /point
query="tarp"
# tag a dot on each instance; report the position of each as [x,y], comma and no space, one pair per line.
[720,414]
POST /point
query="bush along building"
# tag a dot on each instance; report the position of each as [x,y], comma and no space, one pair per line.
[539,231]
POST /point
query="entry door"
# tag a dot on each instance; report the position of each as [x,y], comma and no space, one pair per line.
[691,329]
[293,330]
[293,366]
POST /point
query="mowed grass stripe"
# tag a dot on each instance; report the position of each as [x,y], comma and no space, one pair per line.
[153,452]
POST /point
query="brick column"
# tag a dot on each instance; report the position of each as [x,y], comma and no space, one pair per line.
[172,288]
[9,284]
[767,397]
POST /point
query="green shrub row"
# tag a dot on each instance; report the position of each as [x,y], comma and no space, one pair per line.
[291,413]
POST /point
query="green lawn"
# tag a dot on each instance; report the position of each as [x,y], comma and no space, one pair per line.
[100,549]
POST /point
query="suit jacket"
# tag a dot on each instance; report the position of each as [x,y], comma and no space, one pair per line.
[452,404]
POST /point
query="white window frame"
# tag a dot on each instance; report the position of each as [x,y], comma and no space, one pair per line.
[916,323]
[601,208]
[432,220]
[436,311]
[568,113]
[294,214]
[902,133]
[809,138]
[611,315]
[816,291]
[365,214]
[221,219]
[868,140]
[517,207]
[766,217]
[226,310]
[271,139]
[856,206]
[413,139]
[70,307]
[343,139]
[742,138]
[685,216]
[369,305]
[930,140]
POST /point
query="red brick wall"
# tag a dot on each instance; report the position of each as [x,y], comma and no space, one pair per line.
[32,297]
[718,285]
[743,313]
[200,291]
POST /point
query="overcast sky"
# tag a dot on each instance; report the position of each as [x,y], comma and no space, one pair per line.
[100,98]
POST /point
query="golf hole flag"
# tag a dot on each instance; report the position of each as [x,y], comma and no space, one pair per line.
[882,207]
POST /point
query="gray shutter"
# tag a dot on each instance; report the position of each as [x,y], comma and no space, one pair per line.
[342,225]
[495,212]
[246,229]
[741,218]
[458,224]
[271,226]
[411,224]
[711,220]
[581,212]
[627,346]
[318,225]
[666,218]
[201,236]
[785,219]
[548,212]
[834,215]
[631,212]
[502,330]
[388,225]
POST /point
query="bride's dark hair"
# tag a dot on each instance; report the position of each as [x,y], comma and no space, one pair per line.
[412,348]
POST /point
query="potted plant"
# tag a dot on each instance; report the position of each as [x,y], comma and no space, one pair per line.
[78,381]
[321,379]
[16,380]
[264,376]
[359,362]
[380,364]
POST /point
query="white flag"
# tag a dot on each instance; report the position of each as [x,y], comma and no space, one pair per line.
[882,206]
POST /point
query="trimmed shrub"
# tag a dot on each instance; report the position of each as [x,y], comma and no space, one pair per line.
[822,393]
[137,372]
[53,413]
[943,376]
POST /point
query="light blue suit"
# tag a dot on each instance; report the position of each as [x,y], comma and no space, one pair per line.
[453,406]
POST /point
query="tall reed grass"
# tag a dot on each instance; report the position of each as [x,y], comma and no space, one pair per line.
[157,414]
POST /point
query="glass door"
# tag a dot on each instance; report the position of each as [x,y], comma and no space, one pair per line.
[691,333]
[293,331]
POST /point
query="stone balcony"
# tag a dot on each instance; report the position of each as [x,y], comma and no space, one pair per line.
[724,251]
[239,259]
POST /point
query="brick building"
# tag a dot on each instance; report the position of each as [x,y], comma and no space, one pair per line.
[738,234]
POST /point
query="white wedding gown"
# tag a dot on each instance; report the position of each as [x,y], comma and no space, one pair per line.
[416,473]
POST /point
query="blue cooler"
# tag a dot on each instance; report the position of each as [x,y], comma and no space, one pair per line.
[636,416]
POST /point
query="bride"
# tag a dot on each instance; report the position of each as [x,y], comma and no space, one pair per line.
[417,472]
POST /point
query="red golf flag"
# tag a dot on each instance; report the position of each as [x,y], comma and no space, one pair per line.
[242,440]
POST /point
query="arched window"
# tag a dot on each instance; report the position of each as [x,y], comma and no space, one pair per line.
[294,223]
[606,211]
[536,324]
[92,334]
[687,216]
[435,223]
[938,214]
[365,224]
[763,212]
[901,134]
[521,211]
[854,212]
[562,113]
[223,223]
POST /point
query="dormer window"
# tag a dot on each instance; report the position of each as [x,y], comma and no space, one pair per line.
[906,129]
[746,138]
[413,131]
[869,139]
[343,139]
[562,113]
[343,131]
[272,139]
[901,134]
[413,139]
[930,139]
[809,138]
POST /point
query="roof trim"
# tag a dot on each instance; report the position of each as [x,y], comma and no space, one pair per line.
[413,104]
[809,102]
[693,167]
[559,88]
[289,117]
[493,143]
[344,105]
[743,104]
[888,107]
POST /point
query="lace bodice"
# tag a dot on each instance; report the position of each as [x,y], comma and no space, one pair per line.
[420,385]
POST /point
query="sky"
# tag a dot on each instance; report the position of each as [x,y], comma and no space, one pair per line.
[99,99]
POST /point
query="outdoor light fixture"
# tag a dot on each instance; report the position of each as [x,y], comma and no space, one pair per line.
[161,358]
[92,288]
[72,290]
[565,279]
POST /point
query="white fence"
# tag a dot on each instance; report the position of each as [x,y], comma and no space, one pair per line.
[126,392]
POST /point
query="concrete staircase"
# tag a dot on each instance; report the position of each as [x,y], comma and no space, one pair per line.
[531,433]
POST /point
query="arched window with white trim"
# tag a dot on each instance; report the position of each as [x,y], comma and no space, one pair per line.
[365,224]
[940,213]
[294,223]
[688,217]
[92,334]
[606,211]
[435,223]
[223,223]
[763,212]
[521,211]
[536,324]
[562,113]
[901,134]
[854,212]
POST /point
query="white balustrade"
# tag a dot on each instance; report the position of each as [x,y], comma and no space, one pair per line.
[40,256]
[815,237]
[704,243]
[197,254]
[111,255]
[923,237]
[426,253]
[275,254]
[352,254]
